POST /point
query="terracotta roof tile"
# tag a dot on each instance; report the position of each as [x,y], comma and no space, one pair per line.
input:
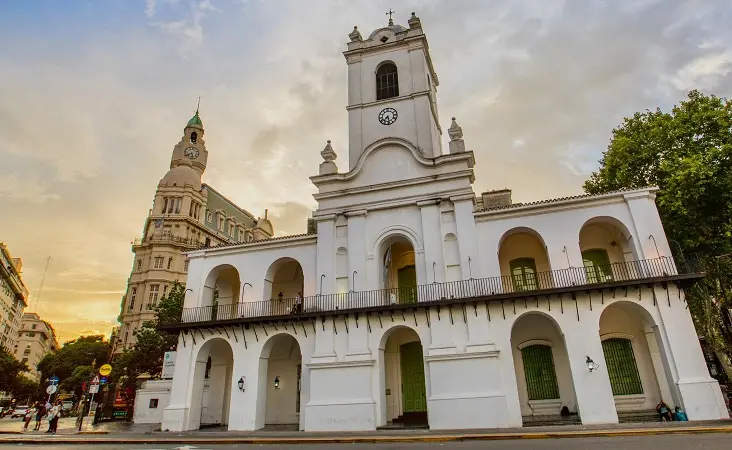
[559,199]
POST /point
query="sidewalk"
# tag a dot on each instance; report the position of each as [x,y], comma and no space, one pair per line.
[130,433]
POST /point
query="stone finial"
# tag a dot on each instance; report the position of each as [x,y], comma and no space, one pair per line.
[414,22]
[355,35]
[328,166]
[456,137]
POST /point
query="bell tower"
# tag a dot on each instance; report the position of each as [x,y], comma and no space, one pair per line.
[191,150]
[392,88]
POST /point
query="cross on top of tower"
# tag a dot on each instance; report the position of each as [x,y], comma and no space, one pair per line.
[391,21]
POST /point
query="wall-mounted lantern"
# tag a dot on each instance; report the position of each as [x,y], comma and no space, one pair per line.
[240,383]
[592,365]
[277,382]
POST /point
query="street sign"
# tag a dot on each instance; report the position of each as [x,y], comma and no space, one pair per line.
[95,380]
[103,380]
[105,370]
[51,389]
[53,380]
[94,389]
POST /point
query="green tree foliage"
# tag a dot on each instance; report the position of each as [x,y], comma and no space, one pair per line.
[68,362]
[26,389]
[687,153]
[151,344]
[10,370]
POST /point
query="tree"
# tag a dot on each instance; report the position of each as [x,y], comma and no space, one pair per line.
[67,362]
[151,344]
[687,153]
[25,389]
[10,369]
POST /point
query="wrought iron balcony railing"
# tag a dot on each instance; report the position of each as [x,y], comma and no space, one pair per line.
[540,283]
[168,239]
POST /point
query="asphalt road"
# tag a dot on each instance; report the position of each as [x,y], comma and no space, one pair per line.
[686,442]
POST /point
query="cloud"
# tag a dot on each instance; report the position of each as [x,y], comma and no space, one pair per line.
[28,188]
[182,19]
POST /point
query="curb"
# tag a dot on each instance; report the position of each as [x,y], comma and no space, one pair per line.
[72,439]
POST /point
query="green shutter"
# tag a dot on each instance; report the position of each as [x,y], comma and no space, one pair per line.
[407,279]
[413,384]
[523,274]
[621,367]
[597,266]
[541,378]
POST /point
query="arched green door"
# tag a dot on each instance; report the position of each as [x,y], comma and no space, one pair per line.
[621,367]
[413,384]
[407,278]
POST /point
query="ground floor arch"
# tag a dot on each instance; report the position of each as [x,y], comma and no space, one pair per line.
[280,388]
[212,379]
[634,358]
[542,368]
[404,397]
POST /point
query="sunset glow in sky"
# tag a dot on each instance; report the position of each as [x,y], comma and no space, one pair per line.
[95,95]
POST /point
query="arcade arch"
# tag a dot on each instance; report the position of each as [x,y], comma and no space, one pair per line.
[524,261]
[212,378]
[221,292]
[280,387]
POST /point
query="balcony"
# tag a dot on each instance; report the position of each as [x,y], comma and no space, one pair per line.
[494,289]
[167,239]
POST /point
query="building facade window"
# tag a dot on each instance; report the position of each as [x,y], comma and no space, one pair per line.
[523,273]
[209,217]
[133,294]
[153,296]
[170,262]
[159,260]
[185,266]
[597,266]
[387,81]
[139,265]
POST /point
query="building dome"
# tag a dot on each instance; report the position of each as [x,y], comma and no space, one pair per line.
[182,175]
[195,121]
[396,29]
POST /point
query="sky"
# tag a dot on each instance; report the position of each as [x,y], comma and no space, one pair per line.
[95,94]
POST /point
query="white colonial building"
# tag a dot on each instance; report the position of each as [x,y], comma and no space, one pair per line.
[412,300]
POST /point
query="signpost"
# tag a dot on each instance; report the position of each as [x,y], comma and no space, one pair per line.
[168,365]
[51,389]
[104,371]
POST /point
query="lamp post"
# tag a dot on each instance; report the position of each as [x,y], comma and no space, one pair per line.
[591,365]
[321,284]
[240,384]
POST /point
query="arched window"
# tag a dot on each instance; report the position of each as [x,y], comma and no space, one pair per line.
[597,266]
[523,273]
[387,81]
[621,367]
[194,137]
[541,378]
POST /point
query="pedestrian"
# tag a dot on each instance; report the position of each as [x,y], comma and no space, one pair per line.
[29,416]
[53,417]
[40,412]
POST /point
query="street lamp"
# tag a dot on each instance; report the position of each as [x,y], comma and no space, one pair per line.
[592,365]
[240,383]
[277,382]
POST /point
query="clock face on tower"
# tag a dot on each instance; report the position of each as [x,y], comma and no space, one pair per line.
[191,152]
[388,116]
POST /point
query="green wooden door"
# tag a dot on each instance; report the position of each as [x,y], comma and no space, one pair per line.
[407,277]
[413,386]
[621,367]
[541,378]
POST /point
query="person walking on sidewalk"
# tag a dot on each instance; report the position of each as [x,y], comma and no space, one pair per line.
[29,416]
[53,416]
[40,412]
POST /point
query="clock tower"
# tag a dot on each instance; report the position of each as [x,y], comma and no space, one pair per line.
[392,89]
[191,150]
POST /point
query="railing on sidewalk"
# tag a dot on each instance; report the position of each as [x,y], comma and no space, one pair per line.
[464,289]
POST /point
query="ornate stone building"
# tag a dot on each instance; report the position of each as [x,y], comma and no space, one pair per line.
[13,298]
[186,214]
[36,339]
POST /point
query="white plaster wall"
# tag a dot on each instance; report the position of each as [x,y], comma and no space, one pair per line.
[153,389]
[252,262]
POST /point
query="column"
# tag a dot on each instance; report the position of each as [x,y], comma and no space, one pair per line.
[700,394]
[325,275]
[357,250]
[467,236]
[434,264]
[176,414]
[592,388]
